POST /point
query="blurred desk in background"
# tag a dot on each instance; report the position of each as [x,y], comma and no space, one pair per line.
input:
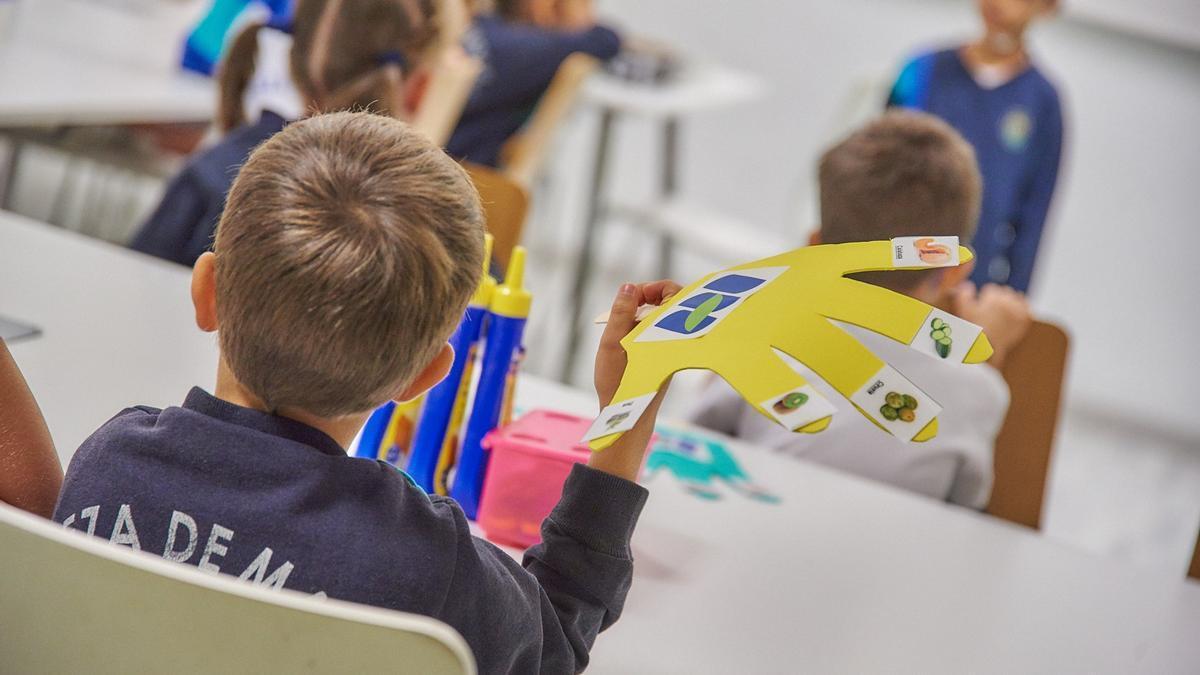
[48,86]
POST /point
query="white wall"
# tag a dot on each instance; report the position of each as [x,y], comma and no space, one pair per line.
[1116,267]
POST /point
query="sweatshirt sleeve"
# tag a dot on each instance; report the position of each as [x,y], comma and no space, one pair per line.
[1031,216]
[545,617]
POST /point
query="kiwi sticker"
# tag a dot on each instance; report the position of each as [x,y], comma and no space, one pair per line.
[701,310]
[945,337]
[896,404]
[798,407]
[925,252]
[618,417]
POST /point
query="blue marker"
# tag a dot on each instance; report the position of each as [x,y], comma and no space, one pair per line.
[436,441]
[509,311]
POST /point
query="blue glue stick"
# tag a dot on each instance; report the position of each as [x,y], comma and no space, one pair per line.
[437,432]
[506,322]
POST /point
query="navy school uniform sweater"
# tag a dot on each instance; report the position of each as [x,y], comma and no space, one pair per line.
[519,61]
[184,223]
[278,503]
[1017,132]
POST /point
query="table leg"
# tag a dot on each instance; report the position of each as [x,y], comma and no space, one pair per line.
[584,263]
[670,155]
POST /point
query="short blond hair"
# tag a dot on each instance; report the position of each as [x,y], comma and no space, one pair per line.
[903,174]
[348,249]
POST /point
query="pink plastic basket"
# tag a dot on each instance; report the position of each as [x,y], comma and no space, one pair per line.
[530,461]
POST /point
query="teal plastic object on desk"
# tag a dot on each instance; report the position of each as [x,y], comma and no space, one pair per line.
[701,463]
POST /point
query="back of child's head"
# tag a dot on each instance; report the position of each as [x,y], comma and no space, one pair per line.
[348,249]
[903,174]
[345,54]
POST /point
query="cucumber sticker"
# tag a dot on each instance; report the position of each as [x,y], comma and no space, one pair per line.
[940,333]
[945,337]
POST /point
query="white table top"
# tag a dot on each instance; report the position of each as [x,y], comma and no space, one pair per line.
[47,86]
[697,86]
[841,576]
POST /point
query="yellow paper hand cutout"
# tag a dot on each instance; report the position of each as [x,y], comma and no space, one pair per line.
[742,323]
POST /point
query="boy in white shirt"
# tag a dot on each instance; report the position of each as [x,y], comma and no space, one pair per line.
[904,174]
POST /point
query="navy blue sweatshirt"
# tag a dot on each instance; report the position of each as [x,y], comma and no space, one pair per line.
[183,224]
[519,61]
[1017,132]
[278,503]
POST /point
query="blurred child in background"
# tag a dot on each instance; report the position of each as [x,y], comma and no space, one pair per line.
[906,174]
[386,48]
[521,46]
[991,91]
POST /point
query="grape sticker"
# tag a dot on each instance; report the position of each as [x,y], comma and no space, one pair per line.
[896,404]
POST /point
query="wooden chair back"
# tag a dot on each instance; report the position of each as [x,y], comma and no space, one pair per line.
[505,206]
[523,156]
[71,603]
[1034,372]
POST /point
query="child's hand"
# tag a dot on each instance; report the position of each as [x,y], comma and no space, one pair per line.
[610,357]
[624,457]
[1002,312]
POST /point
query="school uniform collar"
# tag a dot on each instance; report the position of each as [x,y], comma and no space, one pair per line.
[205,403]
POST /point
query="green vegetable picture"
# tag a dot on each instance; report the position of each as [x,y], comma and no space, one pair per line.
[940,333]
[897,406]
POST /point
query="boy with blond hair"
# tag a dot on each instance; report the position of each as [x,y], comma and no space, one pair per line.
[344,259]
[905,174]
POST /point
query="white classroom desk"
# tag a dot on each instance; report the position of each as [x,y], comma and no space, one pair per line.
[841,576]
[51,86]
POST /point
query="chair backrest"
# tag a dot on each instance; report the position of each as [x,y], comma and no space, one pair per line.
[443,102]
[1034,372]
[523,155]
[505,205]
[70,603]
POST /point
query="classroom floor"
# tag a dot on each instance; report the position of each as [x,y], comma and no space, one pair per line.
[1113,491]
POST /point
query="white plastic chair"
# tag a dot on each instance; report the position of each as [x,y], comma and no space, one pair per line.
[70,603]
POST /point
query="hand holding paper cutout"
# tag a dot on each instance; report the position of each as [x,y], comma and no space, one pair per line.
[743,323]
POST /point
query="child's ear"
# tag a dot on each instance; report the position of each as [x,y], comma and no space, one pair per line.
[432,374]
[204,291]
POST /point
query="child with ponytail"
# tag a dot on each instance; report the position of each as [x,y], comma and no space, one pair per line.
[345,54]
